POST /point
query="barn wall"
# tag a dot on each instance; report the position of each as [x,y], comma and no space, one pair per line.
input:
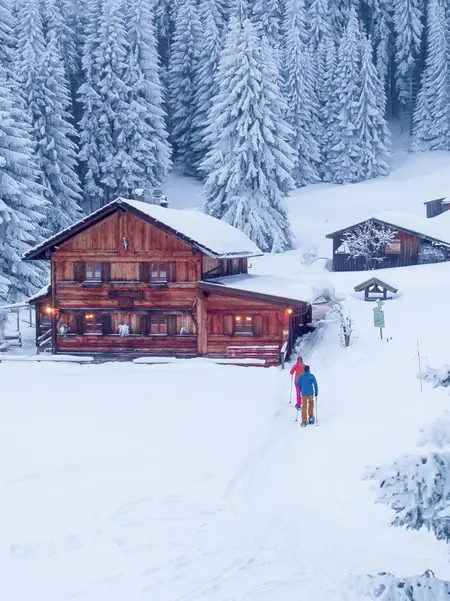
[409,255]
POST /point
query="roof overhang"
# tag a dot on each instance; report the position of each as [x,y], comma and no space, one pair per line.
[42,251]
[364,285]
[391,225]
[250,294]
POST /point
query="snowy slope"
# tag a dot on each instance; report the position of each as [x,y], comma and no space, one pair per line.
[192,482]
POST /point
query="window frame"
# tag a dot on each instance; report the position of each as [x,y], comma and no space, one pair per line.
[92,267]
[243,325]
[160,318]
[94,329]
[158,279]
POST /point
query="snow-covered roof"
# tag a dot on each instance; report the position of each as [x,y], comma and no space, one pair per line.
[42,293]
[283,289]
[212,236]
[436,229]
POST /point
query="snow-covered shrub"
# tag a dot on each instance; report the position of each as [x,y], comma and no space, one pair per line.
[438,432]
[386,587]
[437,377]
[345,322]
[417,488]
[124,331]
[431,253]
[368,242]
[63,329]
[310,255]
[3,322]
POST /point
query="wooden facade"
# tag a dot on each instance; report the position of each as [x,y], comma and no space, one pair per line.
[122,284]
[405,250]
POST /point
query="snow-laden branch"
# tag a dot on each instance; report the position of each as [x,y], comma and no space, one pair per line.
[386,587]
[369,242]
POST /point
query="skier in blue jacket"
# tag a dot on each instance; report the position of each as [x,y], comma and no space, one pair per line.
[309,389]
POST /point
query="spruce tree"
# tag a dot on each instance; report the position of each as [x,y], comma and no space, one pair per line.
[206,84]
[408,26]
[300,94]
[55,135]
[183,62]
[326,65]
[267,16]
[381,32]
[93,117]
[60,24]
[432,114]
[249,165]
[145,137]
[345,149]
[371,126]
[319,22]
[22,205]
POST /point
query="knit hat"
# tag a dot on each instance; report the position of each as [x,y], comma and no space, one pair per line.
[306,367]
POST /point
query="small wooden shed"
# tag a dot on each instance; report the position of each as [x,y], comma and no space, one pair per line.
[374,289]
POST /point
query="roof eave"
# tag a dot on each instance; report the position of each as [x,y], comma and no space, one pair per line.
[223,288]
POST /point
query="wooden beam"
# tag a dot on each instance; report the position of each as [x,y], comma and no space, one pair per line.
[202,324]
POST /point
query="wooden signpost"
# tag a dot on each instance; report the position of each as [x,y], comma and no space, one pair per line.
[378,317]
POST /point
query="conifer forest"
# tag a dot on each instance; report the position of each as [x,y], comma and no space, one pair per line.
[254,98]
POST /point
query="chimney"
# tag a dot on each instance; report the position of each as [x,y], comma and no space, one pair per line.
[160,198]
[436,207]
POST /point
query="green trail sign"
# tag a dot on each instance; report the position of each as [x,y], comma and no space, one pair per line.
[378,318]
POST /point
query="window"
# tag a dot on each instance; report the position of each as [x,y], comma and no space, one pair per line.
[243,325]
[93,323]
[394,248]
[158,324]
[158,272]
[93,271]
[235,266]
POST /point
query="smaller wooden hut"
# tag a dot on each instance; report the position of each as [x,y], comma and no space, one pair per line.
[375,289]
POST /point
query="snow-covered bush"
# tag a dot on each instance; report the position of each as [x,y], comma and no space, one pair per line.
[417,488]
[310,255]
[431,253]
[345,322]
[3,322]
[437,377]
[437,433]
[124,331]
[368,242]
[386,587]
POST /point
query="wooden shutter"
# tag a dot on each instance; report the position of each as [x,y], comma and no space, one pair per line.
[172,325]
[143,272]
[106,324]
[257,325]
[144,325]
[79,323]
[106,272]
[78,271]
[171,272]
[228,325]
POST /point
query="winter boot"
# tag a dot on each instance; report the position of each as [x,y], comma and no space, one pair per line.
[304,424]
[311,420]
[298,407]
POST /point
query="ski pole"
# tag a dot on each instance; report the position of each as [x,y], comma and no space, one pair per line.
[296,417]
[317,411]
[290,395]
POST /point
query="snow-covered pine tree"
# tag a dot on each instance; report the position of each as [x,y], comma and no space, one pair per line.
[318,22]
[7,38]
[371,126]
[300,94]
[386,587]
[381,34]
[417,489]
[146,135]
[93,119]
[250,162]
[183,63]
[344,145]
[408,26]
[432,114]
[55,135]
[205,83]
[267,16]
[326,65]
[60,23]
[22,205]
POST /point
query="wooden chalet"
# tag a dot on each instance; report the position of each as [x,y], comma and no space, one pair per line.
[417,240]
[140,279]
